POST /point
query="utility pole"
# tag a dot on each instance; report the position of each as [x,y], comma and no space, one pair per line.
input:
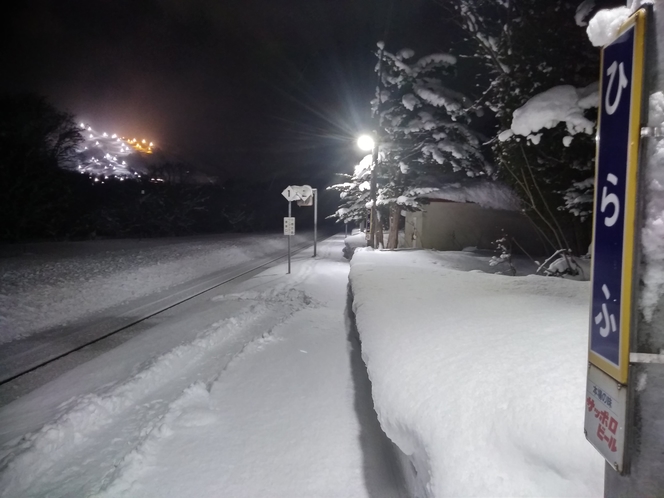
[644,474]
[374,153]
[373,193]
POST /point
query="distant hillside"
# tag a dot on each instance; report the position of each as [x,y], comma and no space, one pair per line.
[103,155]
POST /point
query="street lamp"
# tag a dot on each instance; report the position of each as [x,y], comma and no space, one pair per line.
[365,142]
[368,143]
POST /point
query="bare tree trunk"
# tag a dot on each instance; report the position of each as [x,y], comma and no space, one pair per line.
[393,237]
[372,226]
[378,241]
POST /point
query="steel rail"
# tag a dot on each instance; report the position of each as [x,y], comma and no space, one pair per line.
[14,376]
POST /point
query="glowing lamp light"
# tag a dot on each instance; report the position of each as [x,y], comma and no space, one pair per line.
[365,142]
[83,125]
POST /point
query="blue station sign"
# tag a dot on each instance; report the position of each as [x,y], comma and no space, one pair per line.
[615,212]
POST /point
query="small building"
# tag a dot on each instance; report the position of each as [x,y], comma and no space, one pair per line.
[456,216]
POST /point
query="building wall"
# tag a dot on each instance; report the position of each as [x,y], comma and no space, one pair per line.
[451,226]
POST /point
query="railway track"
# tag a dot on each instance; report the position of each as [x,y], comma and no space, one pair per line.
[27,355]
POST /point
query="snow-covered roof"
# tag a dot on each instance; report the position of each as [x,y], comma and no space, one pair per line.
[490,195]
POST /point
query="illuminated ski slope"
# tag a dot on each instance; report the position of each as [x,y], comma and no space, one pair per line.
[103,155]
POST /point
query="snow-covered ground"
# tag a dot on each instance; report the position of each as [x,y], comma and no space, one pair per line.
[44,285]
[478,378]
[249,393]
[258,389]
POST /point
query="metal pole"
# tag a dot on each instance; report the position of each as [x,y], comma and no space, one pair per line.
[346,229]
[289,215]
[373,191]
[646,372]
[315,192]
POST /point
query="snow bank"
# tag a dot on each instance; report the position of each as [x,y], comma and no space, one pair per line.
[479,379]
[352,242]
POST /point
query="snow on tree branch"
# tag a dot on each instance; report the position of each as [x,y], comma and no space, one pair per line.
[583,11]
[560,104]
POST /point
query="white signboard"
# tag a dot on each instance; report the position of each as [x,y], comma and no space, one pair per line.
[606,414]
[297,193]
[309,201]
[289,226]
[290,194]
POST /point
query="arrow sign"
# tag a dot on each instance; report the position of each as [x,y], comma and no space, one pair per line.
[297,193]
[290,194]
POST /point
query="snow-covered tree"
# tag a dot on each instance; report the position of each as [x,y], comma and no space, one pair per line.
[37,141]
[532,52]
[354,193]
[424,137]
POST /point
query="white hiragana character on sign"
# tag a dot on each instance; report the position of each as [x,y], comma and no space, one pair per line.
[610,200]
[609,320]
[611,107]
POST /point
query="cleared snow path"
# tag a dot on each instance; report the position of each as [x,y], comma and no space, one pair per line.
[258,393]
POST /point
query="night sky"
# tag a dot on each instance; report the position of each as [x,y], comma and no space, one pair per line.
[243,88]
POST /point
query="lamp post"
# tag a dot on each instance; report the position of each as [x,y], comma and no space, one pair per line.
[369,143]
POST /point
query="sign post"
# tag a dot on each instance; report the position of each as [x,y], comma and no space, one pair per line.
[615,241]
[315,192]
[289,230]
[291,194]
[309,197]
[305,196]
